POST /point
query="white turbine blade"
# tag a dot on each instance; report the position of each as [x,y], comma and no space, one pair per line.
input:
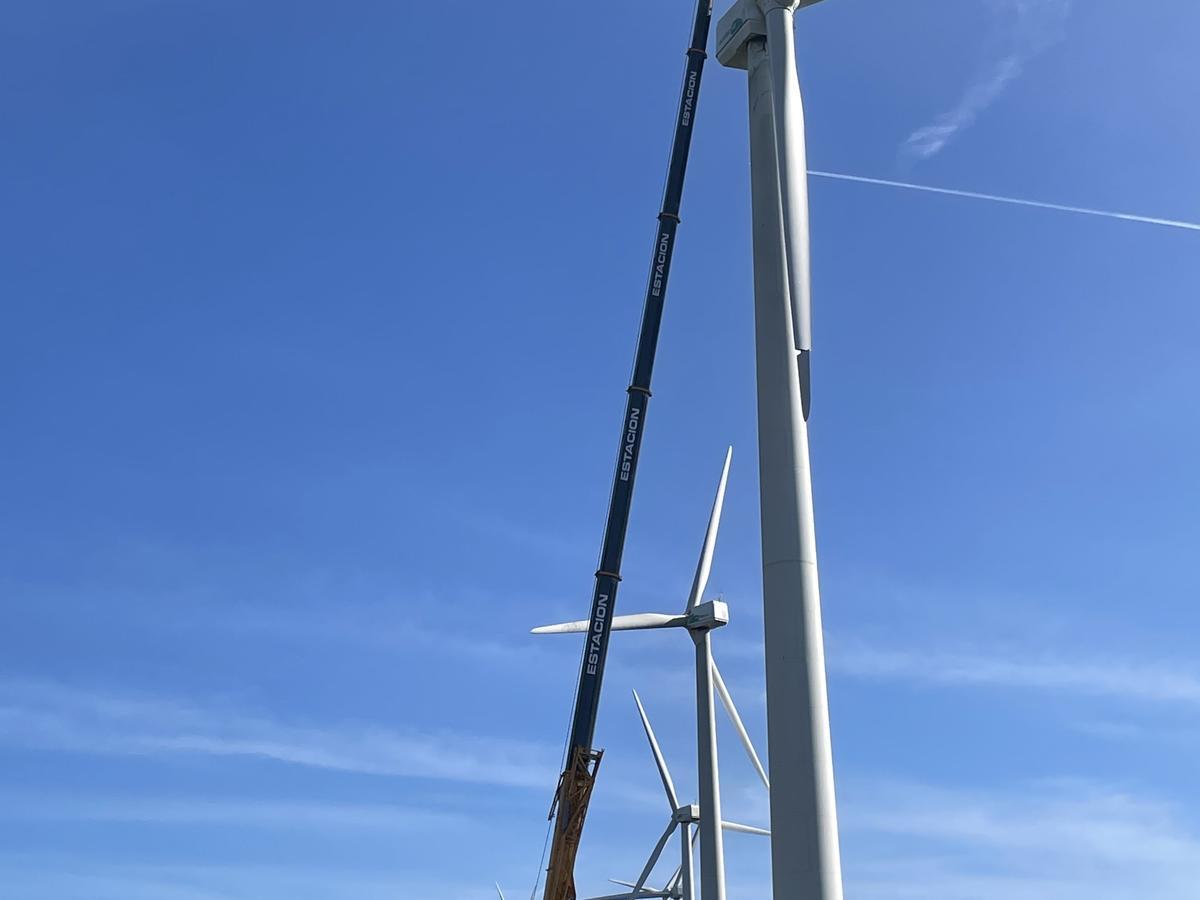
[561,628]
[670,888]
[653,861]
[665,892]
[675,879]
[645,621]
[636,622]
[700,582]
[727,702]
[745,829]
[787,107]
[500,892]
[663,773]
[792,168]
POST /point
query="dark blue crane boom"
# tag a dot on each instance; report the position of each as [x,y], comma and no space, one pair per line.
[576,782]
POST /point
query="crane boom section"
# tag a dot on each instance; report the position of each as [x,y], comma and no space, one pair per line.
[575,784]
[633,428]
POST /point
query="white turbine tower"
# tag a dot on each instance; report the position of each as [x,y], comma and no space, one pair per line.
[757,35]
[699,618]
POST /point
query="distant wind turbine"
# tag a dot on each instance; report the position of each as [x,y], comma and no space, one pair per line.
[699,618]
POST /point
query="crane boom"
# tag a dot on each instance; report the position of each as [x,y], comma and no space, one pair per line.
[582,763]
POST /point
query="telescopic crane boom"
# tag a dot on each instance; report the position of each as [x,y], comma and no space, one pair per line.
[576,782]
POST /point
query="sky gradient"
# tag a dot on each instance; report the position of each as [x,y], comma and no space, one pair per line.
[316,325]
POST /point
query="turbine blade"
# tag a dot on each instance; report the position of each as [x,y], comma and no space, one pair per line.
[693,840]
[646,621]
[561,628]
[704,566]
[498,891]
[653,861]
[636,622]
[677,875]
[659,761]
[792,166]
[745,829]
[788,111]
[665,892]
[727,702]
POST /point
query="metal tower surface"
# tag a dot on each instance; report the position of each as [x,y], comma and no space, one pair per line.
[757,35]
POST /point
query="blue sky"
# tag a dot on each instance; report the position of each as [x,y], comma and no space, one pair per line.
[316,322]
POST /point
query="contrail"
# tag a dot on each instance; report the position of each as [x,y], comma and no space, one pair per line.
[1105,214]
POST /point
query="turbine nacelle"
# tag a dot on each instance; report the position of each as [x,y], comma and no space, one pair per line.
[707,616]
[745,21]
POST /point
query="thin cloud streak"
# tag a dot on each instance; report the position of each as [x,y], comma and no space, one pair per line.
[67,877]
[1047,839]
[929,140]
[50,716]
[1016,201]
[1035,25]
[1055,840]
[265,814]
[1113,679]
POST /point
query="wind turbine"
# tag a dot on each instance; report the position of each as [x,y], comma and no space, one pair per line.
[757,35]
[699,618]
[681,885]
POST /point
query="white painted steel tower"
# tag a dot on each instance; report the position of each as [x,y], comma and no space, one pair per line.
[757,35]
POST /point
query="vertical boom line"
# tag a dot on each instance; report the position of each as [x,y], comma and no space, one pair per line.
[579,773]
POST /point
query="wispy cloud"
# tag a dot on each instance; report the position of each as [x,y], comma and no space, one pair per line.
[69,878]
[67,881]
[380,626]
[1038,841]
[1026,28]
[1162,682]
[1116,679]
[236,813]
[1049,839]
[1064,840]
[40,714]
